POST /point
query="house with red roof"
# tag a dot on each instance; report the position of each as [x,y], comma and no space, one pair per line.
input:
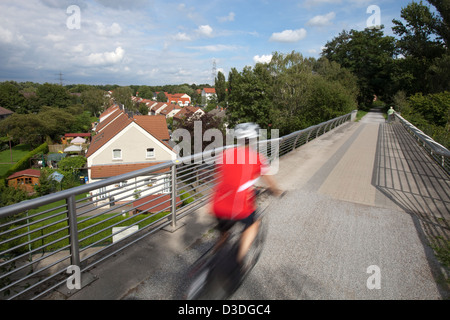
[126,144]
[25,180]
[170,110]
[187,113]
[156,108]
[180,99]
[207,94]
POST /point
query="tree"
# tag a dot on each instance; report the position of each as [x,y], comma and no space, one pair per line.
[11,98]
[423,38]
[369,55]
[418,32]
[94,100]
[24,128]
[123,96]
[249,96]
[220,86]
[161,97]
[57,122]
[143,109]
[208,121]
[53,95]
[442,25]
[290,93]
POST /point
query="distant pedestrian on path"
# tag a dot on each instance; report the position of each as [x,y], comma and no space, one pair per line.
[390,114]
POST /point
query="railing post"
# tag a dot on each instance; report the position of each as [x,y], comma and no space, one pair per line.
[174,195]
[295,141]
[73,231]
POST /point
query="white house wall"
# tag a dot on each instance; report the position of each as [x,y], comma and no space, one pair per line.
[133,141]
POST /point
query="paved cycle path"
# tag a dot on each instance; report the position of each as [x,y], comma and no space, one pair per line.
[354,224]
[339,235]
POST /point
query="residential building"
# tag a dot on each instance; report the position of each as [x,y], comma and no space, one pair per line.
[170,110]
[207,94]
[187,113]
[180,99]
[128,144]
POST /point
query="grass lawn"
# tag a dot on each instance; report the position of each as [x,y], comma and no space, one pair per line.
[52,232]
[18,152]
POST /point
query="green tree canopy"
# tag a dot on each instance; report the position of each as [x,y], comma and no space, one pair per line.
[221,87]
[53,95]
[369,55]
[11,98]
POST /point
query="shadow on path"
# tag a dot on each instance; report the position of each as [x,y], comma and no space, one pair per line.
[411,179]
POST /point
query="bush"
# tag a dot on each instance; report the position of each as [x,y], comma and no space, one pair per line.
[430,113]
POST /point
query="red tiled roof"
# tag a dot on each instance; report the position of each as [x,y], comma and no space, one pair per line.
[27,172]
[110,110]
[4,111]
[155,203]
[169,108]
[155,125]
[209,90]
[107,171]
[109,119]
[186,111]
[108,133]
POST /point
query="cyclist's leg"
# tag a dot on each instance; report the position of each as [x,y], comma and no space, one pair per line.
[248,235]
[223,226]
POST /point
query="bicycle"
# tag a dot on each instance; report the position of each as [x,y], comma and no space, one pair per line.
[216,275]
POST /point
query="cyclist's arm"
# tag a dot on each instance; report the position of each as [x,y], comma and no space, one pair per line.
[271,183]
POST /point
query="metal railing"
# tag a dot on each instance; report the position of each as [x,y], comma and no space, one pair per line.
[83,226]
[437,151]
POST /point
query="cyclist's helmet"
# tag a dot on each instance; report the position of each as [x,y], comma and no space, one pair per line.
[246,130]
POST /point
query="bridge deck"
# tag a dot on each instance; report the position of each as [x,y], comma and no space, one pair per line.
[361,196]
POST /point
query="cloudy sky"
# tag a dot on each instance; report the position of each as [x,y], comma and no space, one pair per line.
[157,42]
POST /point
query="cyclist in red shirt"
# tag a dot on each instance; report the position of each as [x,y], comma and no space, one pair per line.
[238,170]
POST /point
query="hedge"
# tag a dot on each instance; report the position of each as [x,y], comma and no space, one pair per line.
[24,163]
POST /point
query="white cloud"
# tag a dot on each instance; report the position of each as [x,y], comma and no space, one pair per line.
[289,35]
[229,17]
[181,36]
[321,21]
[205,30]
[78,49]
[265,58]
[6,36]
[106,57]
[113,30]
[54,37]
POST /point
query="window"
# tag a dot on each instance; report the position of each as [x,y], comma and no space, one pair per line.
[102,193]
[150,153]
[167,185]
[117,154]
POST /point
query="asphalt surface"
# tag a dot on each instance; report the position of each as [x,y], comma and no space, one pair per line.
[343,231]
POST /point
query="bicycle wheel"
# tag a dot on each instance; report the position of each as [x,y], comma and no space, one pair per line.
[211,279]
